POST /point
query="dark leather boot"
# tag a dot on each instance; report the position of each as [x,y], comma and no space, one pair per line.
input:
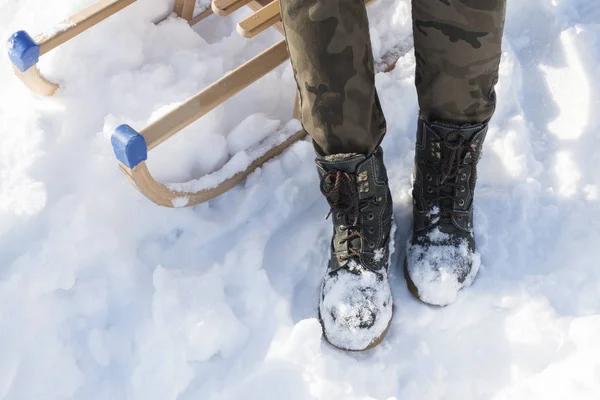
[355,307]
[442,258]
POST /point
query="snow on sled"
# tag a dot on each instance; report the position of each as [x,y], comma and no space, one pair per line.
[131,147]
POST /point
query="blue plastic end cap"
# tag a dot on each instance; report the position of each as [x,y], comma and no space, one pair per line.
[23,51]
[129,146]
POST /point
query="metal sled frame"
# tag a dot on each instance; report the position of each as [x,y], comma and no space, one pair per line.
[25,51]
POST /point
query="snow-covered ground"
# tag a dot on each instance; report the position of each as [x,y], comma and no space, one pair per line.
[104,295]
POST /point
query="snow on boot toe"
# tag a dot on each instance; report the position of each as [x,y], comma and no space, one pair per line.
[355,309]
[439,272]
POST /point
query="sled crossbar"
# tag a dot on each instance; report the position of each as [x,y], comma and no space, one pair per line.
[24,50]
[226,7]
[262,18]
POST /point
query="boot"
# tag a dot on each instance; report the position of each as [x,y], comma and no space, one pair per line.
[442,258]
[355,307]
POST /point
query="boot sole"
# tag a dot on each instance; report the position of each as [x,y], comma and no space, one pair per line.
[412,288]
[376,342]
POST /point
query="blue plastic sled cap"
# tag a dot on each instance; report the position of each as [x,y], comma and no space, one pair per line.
[129,146]
[23,51]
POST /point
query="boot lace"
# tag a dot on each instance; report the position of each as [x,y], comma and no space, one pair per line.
[340,190]
[447,168]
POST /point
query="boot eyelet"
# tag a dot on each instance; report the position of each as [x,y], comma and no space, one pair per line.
[463,177]
[379,199]
[462,189]
[371,216]
[429,190]
[372,245]
[459,218]
[461,202]
[429,177]
[371,230]
[430,204]
[339,215]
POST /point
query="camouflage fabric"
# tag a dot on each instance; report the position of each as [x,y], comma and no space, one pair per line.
[330,50]
[457,47]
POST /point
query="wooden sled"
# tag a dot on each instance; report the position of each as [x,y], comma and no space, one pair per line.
[131,147]
[25,51]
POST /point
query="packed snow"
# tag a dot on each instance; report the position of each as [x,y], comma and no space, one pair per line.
[104,295]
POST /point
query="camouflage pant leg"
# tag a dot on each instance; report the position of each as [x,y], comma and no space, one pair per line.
[458,49]
[457,46]
[330,50]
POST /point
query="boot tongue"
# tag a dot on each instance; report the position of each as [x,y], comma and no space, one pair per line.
[452,134]
[341,162]
[348,163]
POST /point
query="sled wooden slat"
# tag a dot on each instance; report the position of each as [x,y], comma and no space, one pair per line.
[226,7]
[160,194]
[269,15]
[80,22]
[185,9]
[215,94]
[256,5]
[260,20]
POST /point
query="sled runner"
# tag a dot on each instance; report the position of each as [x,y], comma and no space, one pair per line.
[25,51]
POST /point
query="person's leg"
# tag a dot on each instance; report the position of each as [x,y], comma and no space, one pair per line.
[330,50]
[458,49]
